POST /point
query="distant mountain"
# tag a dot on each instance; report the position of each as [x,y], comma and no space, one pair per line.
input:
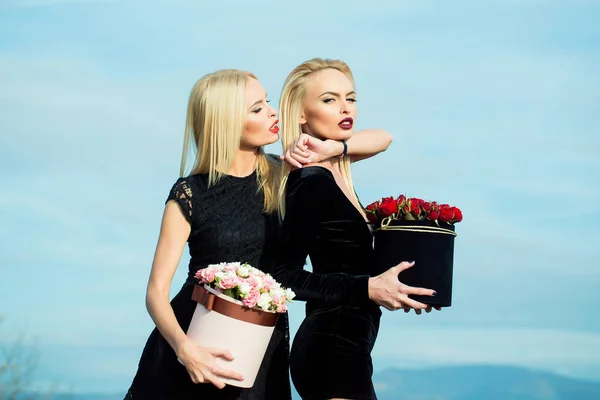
[481,383]
[455,383]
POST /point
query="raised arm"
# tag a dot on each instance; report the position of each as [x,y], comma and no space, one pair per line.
[306,204]
[362,145]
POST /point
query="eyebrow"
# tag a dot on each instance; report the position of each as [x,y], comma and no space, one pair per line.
[257,102]
[336,94]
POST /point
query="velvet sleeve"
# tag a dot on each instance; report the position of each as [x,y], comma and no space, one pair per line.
[307,200]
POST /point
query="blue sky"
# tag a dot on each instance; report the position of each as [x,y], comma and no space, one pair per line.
[494,107]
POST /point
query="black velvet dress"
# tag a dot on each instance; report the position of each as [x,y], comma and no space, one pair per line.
[331,353]
[227,225]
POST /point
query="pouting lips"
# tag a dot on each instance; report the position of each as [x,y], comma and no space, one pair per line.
[346,123]
[274,128]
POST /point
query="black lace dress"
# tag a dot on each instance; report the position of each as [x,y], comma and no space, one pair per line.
[227,225]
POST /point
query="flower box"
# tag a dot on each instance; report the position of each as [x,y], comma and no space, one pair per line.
[410,229]
[238,308]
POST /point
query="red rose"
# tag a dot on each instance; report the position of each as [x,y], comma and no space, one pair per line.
[372,217]
[433,215]
[446,213]
[388,207]
[401,201]
[457,214]
[427,206]
[415,207]
[373,206]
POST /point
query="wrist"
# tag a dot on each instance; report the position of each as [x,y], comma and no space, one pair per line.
[370,287]
[344,148]
[180,346]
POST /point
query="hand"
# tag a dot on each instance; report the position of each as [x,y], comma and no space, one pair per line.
[307,149]
[200,363]
[387,291]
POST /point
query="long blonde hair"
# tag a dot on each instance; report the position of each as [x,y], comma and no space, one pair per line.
[291,104]
[214,125]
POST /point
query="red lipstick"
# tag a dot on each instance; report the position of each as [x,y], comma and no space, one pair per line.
[346,123]
[275,128]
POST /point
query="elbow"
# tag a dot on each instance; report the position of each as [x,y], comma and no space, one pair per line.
[155,294]
[386,140]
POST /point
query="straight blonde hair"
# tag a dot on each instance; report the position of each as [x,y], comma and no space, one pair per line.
[291,104]
[214,125]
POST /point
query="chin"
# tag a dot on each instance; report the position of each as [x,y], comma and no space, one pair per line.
[341,135]
[337,134]
[274,137]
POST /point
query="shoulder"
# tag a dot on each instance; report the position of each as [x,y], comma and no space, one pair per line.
[190,186]
[310,178]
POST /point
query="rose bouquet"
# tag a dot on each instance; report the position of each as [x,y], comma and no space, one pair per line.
[412,209]
[247,284]
[237,305]
[412,229]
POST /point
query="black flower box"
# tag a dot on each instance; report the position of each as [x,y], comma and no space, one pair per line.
[430,245]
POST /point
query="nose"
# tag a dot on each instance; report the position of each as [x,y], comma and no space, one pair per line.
[272,111]
[345,108]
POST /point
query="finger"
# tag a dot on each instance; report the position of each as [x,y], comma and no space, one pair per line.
[228,373]
[222,353]
[290,160]
[418,311]
[401,267]
[413,303]
[438,308]
[428,309]
[300,159]
[196,377]
[301,151]
[419,291]
[209,377]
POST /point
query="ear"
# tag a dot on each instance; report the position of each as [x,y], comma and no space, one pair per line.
[302,118]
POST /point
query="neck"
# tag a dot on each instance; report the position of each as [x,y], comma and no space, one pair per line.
[244,162]
[332,164]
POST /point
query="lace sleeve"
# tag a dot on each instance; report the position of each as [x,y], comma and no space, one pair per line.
[181,193]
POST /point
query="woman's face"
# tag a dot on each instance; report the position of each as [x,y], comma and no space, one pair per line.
[260,127]
[329,106]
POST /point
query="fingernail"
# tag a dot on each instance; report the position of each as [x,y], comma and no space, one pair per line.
[411,262]
[434,293]
[309,160]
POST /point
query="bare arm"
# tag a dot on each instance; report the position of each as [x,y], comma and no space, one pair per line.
[199,361]
[174,232]
[366,143]
[362,145]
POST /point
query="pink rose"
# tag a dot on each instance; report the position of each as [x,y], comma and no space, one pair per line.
[230,267]
[206,275]
[251,298]
[254,283]
[229,281]
[281,307]
[268,282]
